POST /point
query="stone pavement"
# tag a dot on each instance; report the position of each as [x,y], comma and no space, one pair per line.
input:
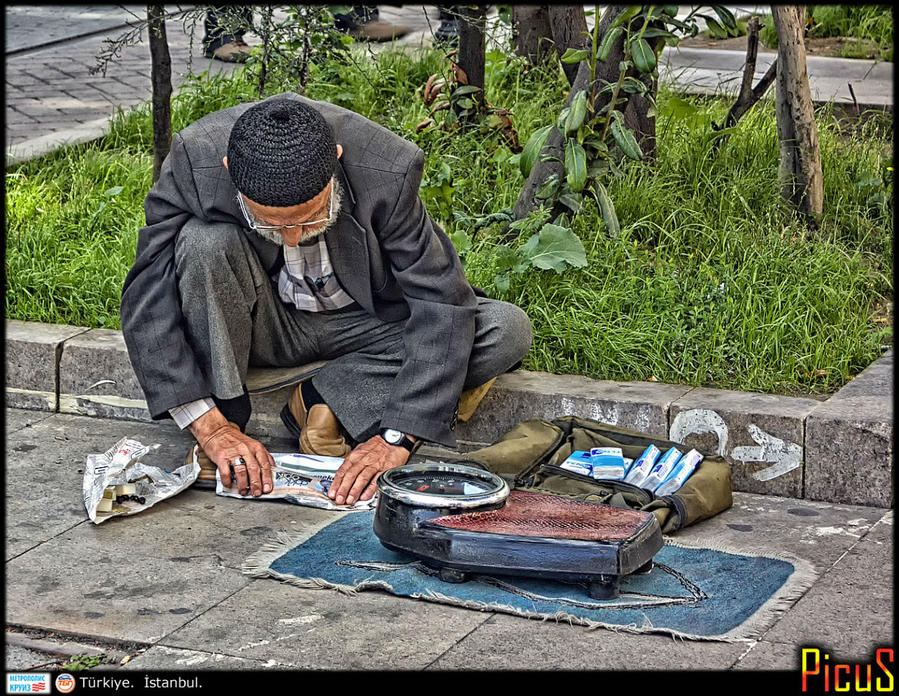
[164,587]
[51,98]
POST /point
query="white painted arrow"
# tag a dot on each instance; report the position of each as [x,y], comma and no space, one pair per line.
[784,455]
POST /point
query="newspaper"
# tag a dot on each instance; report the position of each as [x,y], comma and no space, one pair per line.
[117,482]
[303,479]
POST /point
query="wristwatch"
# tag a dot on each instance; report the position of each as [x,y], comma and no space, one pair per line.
[395,437]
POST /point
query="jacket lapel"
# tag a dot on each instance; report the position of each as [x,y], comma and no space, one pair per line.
[347,248]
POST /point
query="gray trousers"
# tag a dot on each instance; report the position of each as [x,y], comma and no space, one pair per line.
[235,320]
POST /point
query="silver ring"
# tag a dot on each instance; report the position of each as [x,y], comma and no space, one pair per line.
[239,462]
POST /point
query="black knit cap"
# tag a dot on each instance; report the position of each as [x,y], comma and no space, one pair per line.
[281,153]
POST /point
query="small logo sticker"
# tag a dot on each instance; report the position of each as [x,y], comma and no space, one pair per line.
[27,683]
[65,683]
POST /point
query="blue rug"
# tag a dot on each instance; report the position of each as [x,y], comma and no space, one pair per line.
[692,592]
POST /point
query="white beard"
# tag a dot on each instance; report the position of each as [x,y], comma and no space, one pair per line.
[276,238]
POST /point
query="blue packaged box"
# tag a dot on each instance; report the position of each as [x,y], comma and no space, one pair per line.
[662,469]
[608,463]
[641,468]
[686,466]
[580,462]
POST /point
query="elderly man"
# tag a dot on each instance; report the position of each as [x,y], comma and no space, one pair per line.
[289,231]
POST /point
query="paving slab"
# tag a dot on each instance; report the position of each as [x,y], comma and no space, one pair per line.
[21,659]
[760,435]
[769,655]
[32,360]
[817,533]
[44,471]
[549,645]
[324,629]
[126,579]
[858,585]
[849,441]
[520,395]
[16,419]
[31,26]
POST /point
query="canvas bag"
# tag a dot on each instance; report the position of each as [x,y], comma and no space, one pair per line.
[528,458]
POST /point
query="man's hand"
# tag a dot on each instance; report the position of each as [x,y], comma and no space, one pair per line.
[357,477]
[223,444]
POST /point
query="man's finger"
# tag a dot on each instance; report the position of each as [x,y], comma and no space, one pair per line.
[363,478]
[341,474]
[255,471]
[370,490]
[241,475]
[267,482]
[347,482]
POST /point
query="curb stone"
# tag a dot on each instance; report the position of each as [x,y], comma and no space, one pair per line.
[849,441]
[778,445]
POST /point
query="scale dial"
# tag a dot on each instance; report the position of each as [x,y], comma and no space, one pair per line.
[439,485]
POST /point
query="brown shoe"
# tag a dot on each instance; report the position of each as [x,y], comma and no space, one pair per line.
[206,478]
[234,52]
[376,30]
[470,400]
[318,429]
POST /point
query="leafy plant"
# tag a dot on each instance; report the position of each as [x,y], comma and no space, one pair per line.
[594,136]
[82,662]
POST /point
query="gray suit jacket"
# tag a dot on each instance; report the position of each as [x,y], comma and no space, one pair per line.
[386,251]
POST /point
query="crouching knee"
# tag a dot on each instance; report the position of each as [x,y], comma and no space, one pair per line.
[507,333]
[207,244]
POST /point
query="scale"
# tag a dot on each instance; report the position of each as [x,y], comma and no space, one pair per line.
[462,520]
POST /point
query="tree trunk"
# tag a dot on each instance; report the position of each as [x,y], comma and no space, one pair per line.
[749,95]
[636,117]
[161,79]
[569,30]
[531,32]
[799,173]
[472,43]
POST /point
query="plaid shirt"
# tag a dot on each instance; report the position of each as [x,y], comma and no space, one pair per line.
[307,281]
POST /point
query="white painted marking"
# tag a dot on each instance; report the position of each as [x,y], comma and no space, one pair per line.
[102,381]
[784,454]
[302,619]
[699,420]
[192,660]
[831,531]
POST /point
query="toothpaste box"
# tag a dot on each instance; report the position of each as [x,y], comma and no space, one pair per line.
[679,474]
[662,469]
[608,463]
[580,462]
[641,468]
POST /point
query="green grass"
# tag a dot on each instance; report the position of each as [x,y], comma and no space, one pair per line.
[712,281]
[870,27]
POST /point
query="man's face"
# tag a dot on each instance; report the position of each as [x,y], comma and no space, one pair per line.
[293,224]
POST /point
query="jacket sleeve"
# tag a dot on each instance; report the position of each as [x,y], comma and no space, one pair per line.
[439,333]
[152,323]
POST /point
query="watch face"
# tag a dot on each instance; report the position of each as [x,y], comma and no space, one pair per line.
[393,436]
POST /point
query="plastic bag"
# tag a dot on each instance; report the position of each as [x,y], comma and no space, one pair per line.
[117,482]
[303,479]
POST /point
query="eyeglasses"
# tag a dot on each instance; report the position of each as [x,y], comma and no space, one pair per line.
[251,221]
